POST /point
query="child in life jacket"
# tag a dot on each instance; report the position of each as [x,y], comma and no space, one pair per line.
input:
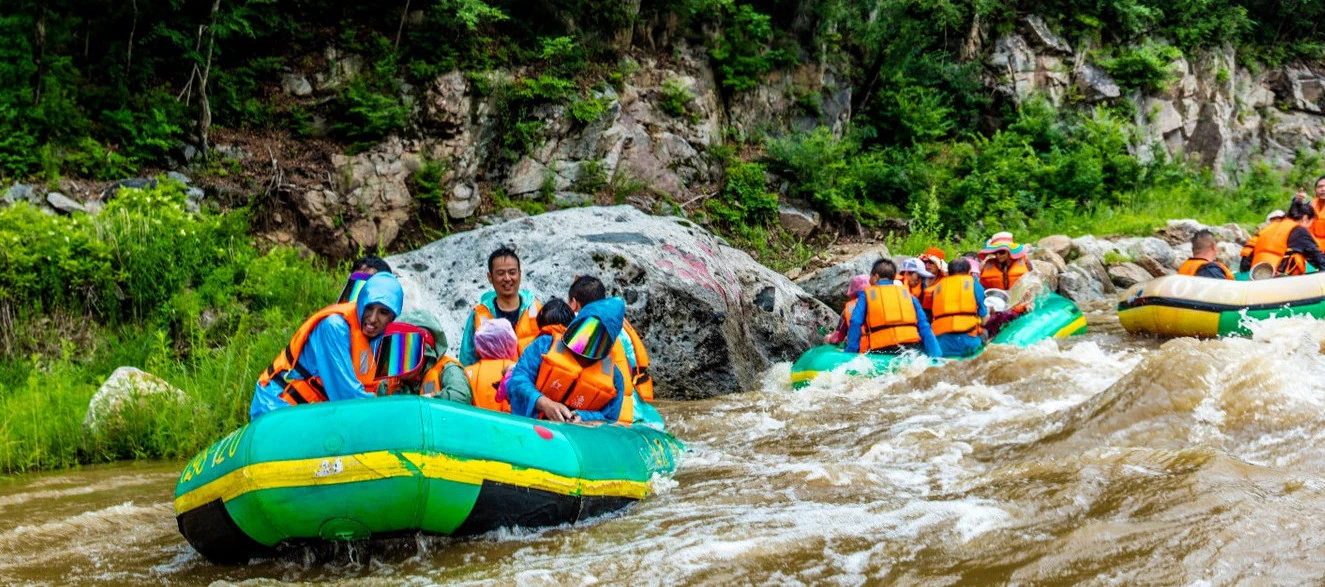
[858,284]
[498,349]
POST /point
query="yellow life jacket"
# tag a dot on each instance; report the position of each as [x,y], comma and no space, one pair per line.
[308,388]
[994,277]
[485,378]
[1192,265]
[890,318]
[561,378]
[956,311]
[526,330]
[432,378]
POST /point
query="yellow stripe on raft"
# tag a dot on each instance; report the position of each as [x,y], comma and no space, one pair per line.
[801,376]
[377,465]
[1076,327]
[1168,321]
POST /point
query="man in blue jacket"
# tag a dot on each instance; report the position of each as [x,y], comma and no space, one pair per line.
[581,356]
[881,283]
[506,300]
[332,355]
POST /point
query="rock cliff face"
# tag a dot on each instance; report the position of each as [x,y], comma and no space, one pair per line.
[1214,111]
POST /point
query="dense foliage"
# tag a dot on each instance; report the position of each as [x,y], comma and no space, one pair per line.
[145,283]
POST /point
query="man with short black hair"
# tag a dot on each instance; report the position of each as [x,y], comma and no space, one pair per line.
[1203,262]
[506,300]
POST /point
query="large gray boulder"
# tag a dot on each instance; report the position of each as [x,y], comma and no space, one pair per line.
[829,285]
[712,318]
[127,388]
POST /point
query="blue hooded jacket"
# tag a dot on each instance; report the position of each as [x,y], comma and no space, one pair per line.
[520,387]
[326,355]
[468,354]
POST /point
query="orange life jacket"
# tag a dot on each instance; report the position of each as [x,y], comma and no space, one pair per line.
[1250,247]
[526,330]
[562,378]
[849,309]
[890,318]
[432,378]
[639,375]
[308,388]
[956,311]
[1272,242]
[927,297]
[1192,265]
[1318,225]
[485,377]
[994,277]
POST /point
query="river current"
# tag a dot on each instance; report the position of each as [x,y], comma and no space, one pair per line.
[1100,460]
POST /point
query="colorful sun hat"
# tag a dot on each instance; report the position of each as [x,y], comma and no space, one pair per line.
[353,286]
[588,339]
[934,255]
[934,252]
[401,351]
[1003,240]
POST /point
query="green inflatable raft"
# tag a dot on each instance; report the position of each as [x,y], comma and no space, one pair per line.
[356,469]
[1053,316]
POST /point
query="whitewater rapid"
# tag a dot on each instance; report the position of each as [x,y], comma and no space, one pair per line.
[1100,460]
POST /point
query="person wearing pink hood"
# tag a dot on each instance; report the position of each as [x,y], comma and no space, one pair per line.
[858,284]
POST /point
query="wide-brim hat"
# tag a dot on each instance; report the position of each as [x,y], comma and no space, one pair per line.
[588,338]
[1003,240]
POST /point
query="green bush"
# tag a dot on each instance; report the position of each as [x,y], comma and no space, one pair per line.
[369,113]
[744,199]
[676,98]
[428,186]
[741,52]
[1144,67]
[588,110]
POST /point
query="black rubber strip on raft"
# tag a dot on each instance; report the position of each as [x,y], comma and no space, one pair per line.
[500,505]
[1210,307]
[213,533]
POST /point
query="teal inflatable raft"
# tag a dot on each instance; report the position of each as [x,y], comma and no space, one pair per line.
[1054,316]
[357,469]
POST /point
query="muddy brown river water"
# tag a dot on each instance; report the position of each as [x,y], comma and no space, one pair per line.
[1103,460]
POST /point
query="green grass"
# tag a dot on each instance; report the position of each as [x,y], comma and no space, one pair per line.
[43,400]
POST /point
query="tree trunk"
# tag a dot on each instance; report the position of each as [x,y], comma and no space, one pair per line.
[128,57]
[401,29]
[39,56]
[205,116]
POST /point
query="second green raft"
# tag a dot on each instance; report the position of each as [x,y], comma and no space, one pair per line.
[1053,316]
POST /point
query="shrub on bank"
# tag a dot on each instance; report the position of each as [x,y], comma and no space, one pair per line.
[187,297]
